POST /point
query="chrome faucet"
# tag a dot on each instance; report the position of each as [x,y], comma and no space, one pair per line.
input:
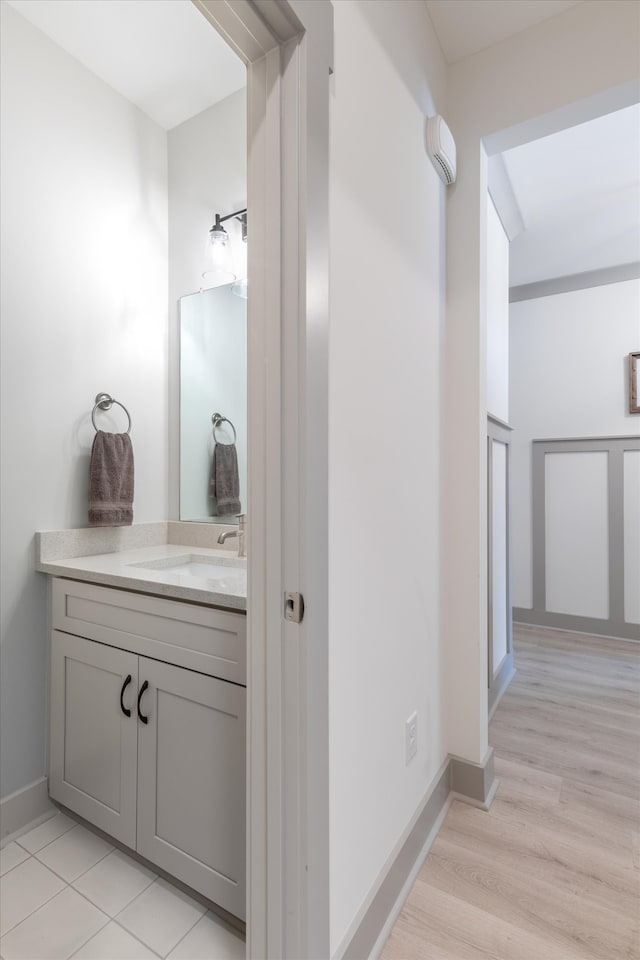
[240,533]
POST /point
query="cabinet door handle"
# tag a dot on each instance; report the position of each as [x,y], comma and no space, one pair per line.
[142,690]
[124,709]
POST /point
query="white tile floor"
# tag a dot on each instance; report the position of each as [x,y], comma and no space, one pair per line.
[65,892]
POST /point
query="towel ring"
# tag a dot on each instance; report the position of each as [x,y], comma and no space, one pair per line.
[217,419]
[105,402]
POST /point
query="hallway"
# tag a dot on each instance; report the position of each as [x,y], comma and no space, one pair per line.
[553,869]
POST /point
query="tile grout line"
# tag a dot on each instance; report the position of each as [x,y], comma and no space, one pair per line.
[110,919]
[48,844]
[137,896]
[147,888]
[67,884]
[71,882]
[100,908]
[141,942]
[48,900]
[176,945]
[95,932]
[11,869]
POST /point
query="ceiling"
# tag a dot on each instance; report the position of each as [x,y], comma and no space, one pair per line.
[578,192]
[467,26]
[161,55]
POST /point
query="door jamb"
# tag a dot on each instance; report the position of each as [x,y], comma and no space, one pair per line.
[287,46]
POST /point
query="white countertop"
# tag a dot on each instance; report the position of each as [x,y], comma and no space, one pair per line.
[117,569]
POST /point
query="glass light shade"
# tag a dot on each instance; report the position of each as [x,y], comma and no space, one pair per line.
[241,288]
[218,268]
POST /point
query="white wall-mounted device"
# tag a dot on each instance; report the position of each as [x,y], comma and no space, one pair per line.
[441,148]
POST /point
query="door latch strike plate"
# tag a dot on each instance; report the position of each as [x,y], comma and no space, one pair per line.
[293,607]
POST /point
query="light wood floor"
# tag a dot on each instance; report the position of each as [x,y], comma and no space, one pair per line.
[552,871]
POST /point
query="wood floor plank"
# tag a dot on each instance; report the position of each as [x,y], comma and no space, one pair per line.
[518,898]
[552,870]
[578,827]
[520,781]
[549,857]
[437,912]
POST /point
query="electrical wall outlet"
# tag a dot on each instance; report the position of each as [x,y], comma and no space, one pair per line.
[411,737]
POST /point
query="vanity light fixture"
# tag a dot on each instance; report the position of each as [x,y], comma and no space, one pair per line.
[218,236]
[219,267]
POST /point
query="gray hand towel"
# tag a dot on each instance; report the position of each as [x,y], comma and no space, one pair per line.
[111,480]
[225,480]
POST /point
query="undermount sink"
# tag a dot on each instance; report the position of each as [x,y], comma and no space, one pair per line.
[208,568]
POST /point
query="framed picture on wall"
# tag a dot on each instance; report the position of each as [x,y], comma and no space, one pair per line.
[634,382]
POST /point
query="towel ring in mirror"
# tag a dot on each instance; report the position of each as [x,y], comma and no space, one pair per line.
[217,420]
[105,402]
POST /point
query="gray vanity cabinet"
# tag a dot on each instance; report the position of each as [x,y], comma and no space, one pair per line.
[191,773]
[94,752]
[152,752]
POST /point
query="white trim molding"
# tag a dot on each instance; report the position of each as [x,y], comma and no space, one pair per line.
[288,48]
[456,779]
[574,281]
[24,807]
[499,675]
[615,624]
[504,199]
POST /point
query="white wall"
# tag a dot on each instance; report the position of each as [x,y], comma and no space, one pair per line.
[207,175]
[569,355]
[497,316]
[84,286]
[495,99]
[387,316]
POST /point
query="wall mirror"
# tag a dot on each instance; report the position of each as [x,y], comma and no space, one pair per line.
[213,379]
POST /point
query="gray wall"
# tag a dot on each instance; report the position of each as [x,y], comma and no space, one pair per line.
[84,281]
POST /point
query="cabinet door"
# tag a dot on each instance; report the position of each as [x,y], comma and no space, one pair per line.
[191,780]
[93,754]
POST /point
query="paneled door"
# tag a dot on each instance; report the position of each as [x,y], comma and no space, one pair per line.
[93,762]
[191,780]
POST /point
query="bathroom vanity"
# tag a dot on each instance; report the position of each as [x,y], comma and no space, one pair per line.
[148,709]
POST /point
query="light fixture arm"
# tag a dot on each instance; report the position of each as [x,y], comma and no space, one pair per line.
[230,216]
[219,232]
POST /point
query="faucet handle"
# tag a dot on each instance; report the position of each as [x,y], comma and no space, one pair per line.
[242,534]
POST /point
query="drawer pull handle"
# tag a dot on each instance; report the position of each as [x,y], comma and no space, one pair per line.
[124,709]
[142,690]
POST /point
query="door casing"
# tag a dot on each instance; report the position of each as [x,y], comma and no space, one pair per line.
[287,46]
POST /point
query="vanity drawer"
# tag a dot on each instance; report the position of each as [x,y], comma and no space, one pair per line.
[188,635]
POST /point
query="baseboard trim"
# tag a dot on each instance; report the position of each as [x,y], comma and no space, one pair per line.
[613,629]
[474,782]
[501,681]
[21,808]
[457,779]
[372,925]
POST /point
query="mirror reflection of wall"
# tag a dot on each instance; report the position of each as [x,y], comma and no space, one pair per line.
[207,176]
[213,379]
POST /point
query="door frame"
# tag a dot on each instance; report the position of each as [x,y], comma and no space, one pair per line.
[287,46]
